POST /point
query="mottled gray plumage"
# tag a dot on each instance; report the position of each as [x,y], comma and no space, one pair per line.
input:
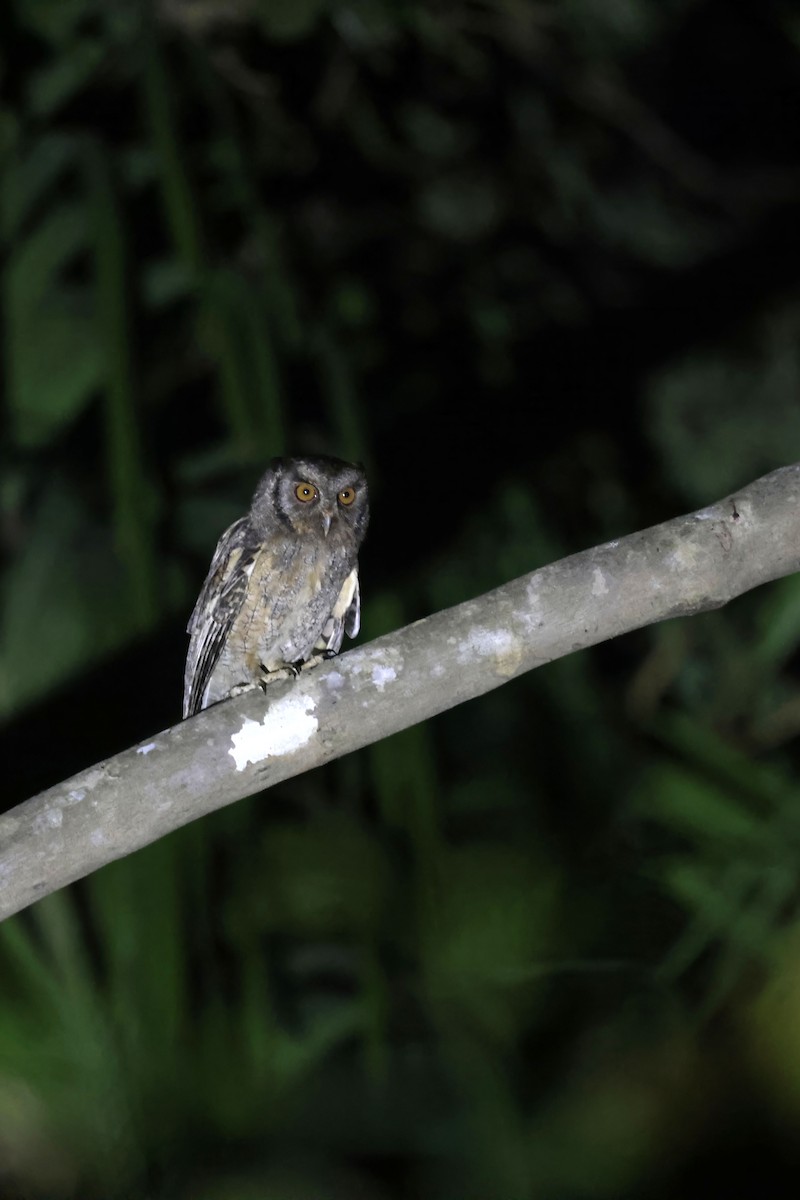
[282,588]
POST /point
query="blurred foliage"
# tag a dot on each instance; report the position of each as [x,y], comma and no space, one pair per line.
[535,265]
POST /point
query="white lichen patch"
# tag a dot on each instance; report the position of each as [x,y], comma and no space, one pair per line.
[89,780]
[98,838]
[286,728]
[599,585]
[533,595]
[377,667]
[146,749]
[9,828]
[437,671]
[497,644]
[530,618]
[49,818]
[684,557]
[93,777]
[334,680]
[528,623]
[383,675]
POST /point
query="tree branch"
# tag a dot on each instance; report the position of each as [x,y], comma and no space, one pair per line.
[684,566]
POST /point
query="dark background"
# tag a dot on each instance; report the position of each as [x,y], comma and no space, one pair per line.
[535,265]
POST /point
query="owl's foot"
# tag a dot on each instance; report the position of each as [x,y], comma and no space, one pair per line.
[290,670]
[315,660]
[303,665]
[240,688]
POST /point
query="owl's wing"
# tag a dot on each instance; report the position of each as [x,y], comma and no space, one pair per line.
[345,616]
[217,605]
[352,618]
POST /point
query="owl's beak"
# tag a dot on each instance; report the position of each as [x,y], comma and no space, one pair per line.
[327,517]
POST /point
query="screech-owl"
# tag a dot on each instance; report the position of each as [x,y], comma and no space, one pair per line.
[282,589]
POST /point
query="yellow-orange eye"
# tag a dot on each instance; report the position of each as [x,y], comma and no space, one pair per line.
[305,492]
[347,496]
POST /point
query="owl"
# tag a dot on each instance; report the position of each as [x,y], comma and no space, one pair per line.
[282,589]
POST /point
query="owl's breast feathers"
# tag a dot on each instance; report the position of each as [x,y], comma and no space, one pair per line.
[266,605]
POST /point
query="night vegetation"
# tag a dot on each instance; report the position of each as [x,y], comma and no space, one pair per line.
[536,266]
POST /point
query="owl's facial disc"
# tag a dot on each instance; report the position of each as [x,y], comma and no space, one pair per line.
[308,493]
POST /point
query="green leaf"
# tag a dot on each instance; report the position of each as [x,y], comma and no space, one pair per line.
[29,178]
[57,83]
[696,807]
[54,359]
[289,20]
[328,877]
[487,926]
[54,622]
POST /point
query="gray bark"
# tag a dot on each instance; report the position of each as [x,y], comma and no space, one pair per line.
[242,746]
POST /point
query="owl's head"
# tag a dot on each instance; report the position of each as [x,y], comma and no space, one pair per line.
[315,496]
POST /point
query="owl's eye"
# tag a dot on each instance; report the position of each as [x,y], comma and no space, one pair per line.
[347,495]
[305,492]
